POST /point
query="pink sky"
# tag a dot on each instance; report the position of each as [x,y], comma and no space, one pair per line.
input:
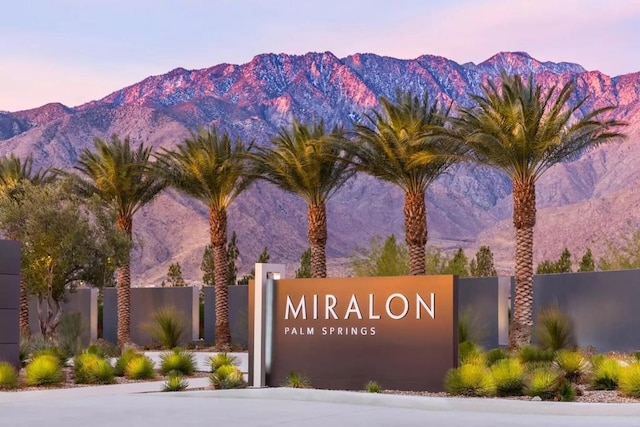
[74,51]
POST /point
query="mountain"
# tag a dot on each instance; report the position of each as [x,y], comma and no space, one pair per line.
[582,203]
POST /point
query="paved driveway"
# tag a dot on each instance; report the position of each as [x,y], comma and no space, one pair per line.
[287,407]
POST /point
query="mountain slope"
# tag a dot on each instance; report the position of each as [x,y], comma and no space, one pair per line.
[467,207]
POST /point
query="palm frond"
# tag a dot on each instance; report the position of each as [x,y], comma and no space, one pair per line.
[306,160]
[208,166]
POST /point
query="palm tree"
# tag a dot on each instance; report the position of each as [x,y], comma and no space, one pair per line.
[388,149]
[12,172]
[307,161]
[118,174]
[212,169]
[522,131]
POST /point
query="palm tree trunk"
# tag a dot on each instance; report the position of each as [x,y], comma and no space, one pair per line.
[317,233]
[218,230]
[24,309]
[123,289]
[524,219]
[415,228]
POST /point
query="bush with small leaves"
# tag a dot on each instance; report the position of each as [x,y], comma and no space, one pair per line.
[44,370]
[175,382]
[572,363]
[8,376]
[297,380]
[372,387]
[605,374]
[140,368]
[531,353]
[222,359]
[181,361]
[227,376]
[508,375]
[494,355]
[554,330]
[544,383]
[629,383]
[470,380]
[124,359]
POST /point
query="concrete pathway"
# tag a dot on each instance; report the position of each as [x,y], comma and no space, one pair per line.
[125,405]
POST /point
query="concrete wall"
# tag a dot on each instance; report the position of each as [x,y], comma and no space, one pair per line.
[10,302]
[238,314]
[83,301]
[602,305]
[146,301]
[478,299]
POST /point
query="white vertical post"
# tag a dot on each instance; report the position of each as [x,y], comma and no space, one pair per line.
[262,318]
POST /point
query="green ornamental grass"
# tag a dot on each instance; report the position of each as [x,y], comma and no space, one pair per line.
[44,370]
[508,375]
[222,359]
[175,382]
[531,353]
[544,383]
[372,387]
[470,380]
[297,379]
[178,360]
[494,355]
[8,376]
[606,374]
[572,363]
[124,359]
[629,383]
[227,376]
[140,368]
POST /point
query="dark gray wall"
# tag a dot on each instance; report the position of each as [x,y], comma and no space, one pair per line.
[238,314]
[83,301]
[478,300]
[604,306]
[146,301]
[10,302]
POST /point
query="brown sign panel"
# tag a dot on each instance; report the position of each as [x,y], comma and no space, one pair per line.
[344,332]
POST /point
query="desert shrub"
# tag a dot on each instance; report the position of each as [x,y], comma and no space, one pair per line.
[68,333]
[297,380]
[629,383]
[140,368]
[8,376]
[222,359]
[468,327]
[605,374]
[103,349]
[531,353]
[124,359]
[44,369]
[175,382]
[372,387]
[554,330]
[508,375]
[470,380]
[227,376]
[567,391]
[494,355]
[544,383]
[469,352]
[572,364]
[90,368]
[167,327]
[181,361]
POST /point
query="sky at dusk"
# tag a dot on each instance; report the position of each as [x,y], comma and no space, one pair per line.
[75,51]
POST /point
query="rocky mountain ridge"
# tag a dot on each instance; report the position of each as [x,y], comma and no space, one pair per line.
[468,207]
